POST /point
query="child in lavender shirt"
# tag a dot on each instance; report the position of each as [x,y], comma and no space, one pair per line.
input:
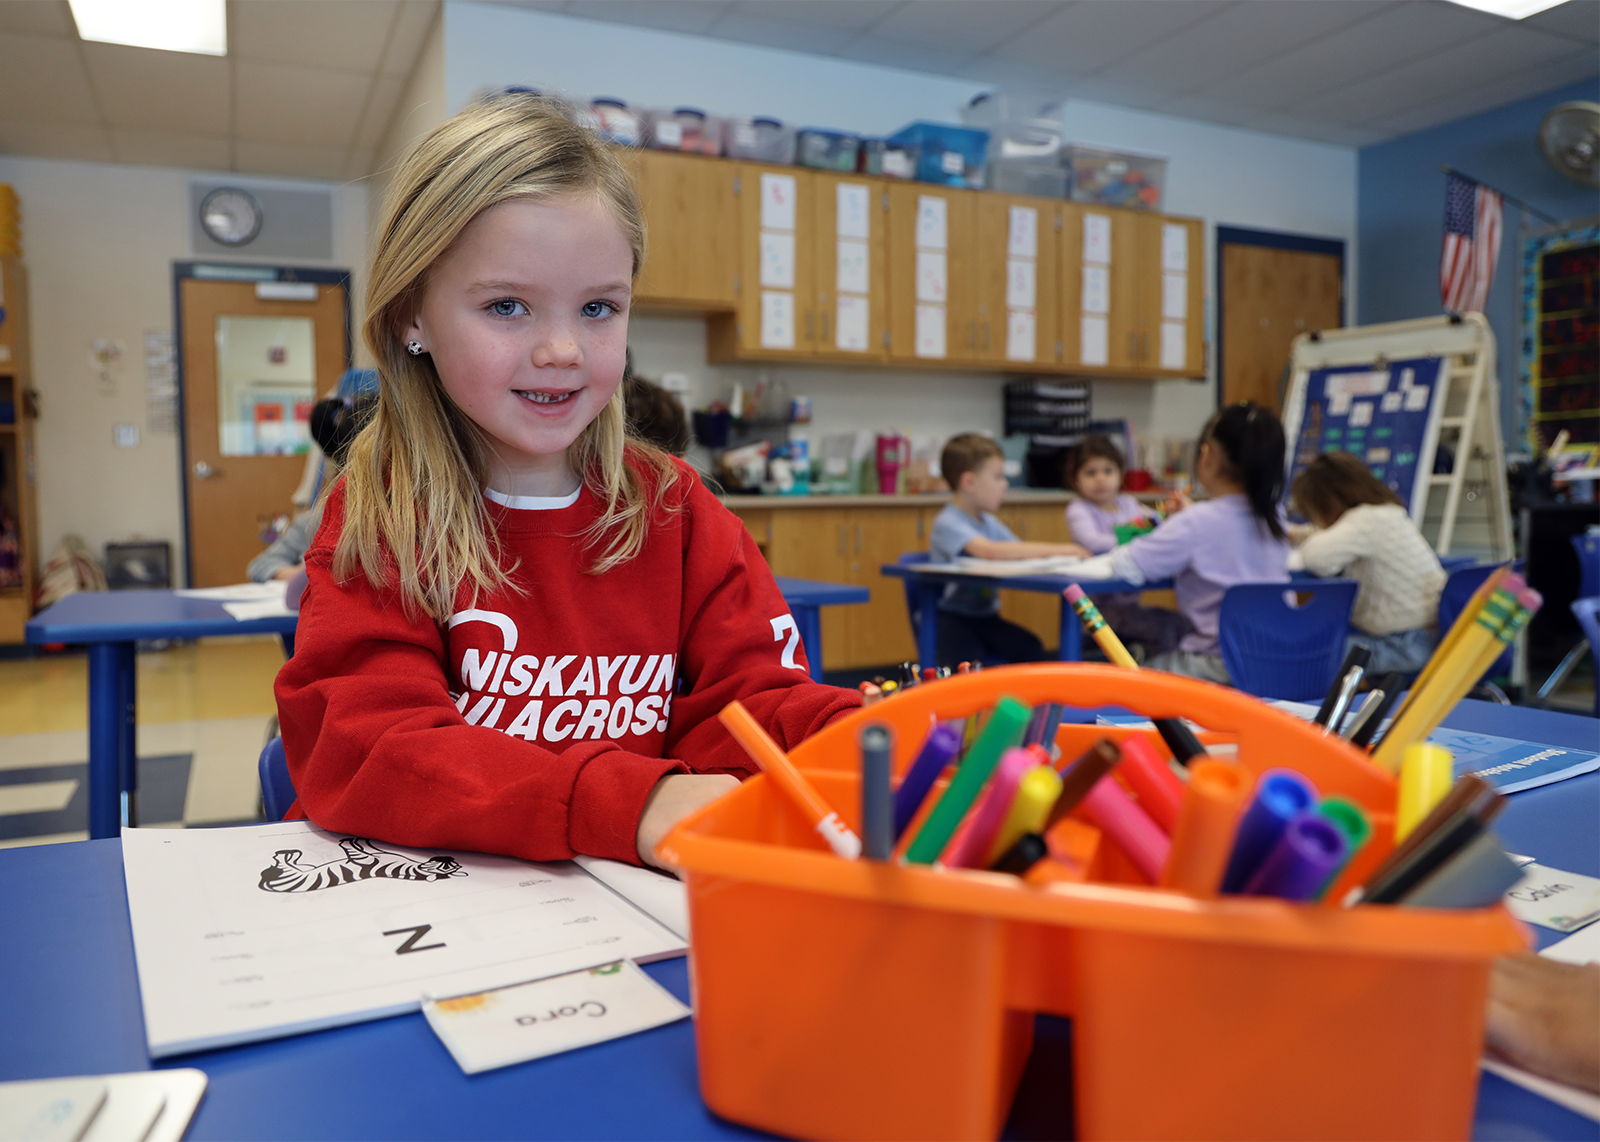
[1235,536]
[1096,475]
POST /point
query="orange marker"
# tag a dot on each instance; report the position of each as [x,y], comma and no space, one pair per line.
[776,765]
[1212,802]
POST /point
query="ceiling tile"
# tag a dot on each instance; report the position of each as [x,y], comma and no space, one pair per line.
[43,80]
[413,21]
[41,17]
[55,141]
[751,28]
[1112,88]
[1487,96]
[281,103]
[1393,36]
[1240,37]
[164,91]
[290,160]
[170,149]
[856,16]
[1013,73]
[962,28]
[381,102]
[1088,36]
[1212,110]
[1315,130]
[340,35]
[892,53]
[691,16]
[1579,19]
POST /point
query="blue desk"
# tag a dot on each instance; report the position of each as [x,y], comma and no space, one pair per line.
[805,598]
[71,1007]
[113,622]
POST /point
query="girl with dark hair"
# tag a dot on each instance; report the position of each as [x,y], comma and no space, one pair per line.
[1236,535]
[1364,532]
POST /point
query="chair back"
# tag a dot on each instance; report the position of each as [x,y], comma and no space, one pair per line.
[913,595]
[1458,589]
[1584,611]
[1274,649]
[277,791]
[1588,549]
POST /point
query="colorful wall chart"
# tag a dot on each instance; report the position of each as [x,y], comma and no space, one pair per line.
[1560,378]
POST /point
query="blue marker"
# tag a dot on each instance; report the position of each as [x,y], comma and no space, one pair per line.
[938,751]
[877,808]
[1280,794]
[1306,855]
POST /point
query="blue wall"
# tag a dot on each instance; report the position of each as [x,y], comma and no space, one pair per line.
[1400,215]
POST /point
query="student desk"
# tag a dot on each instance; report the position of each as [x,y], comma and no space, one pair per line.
[113,622]
[72,1008]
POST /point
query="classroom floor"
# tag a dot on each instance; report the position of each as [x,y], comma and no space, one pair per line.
[204,713]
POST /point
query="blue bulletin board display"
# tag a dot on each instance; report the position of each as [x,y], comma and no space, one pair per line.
[1386,413]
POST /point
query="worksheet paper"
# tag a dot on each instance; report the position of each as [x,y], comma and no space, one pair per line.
[777,320]
[933,277]
[777,201]
[1021,335]
[1174,345]
[1096,290]
[777,259]
[932,214]
[1175,249]
[852,267]
[262,931]
[1023,234]
[1097,239]
[1022,285]
[1175,296]
[1093,341]
[852,327]
[851,210]
[930,331]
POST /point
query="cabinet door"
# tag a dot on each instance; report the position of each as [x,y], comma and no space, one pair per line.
[1017,311]
[879,632]
[1135,290]
[692,257]
[813,543]
[850,263]
[932,299]
[1097,259]
[1176,258]
[776,312]
[1034,610]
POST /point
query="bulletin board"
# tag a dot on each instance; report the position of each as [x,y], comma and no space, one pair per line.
[1387,414]
[1560,358]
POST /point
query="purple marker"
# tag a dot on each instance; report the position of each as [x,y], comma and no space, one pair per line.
[938,751]
[1299,865]
[1280,795]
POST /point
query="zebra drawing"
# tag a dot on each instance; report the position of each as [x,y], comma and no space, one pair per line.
[362,860]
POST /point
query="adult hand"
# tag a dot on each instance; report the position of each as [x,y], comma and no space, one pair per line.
[674,798]
[1544,1016]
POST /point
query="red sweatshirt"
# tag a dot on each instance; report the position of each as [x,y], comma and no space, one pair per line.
[536,723]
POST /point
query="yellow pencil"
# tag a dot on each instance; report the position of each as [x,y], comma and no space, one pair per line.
[1447,644]
[1096,624]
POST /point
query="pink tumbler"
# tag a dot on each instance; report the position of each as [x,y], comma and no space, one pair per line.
[893,454]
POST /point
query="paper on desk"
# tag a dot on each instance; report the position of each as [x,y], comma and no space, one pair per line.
[238,592]
[1581,948]
[260,609]
[142,1106]
[260,931]
[50,1110]
[525,1021]
[660,895]
[1008,568]
[1551,898]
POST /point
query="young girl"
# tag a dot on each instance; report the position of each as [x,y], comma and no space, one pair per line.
[520,625]
[1365,533]
[1235,536]
[1096,475]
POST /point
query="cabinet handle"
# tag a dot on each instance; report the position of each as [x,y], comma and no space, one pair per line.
[986,335]
[858,539]
[1133,346]
[824,326]
[972,335]
[841,539]
[809,316]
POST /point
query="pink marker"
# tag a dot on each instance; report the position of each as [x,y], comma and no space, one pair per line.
[1114,813]
[972,846]
[1159,790]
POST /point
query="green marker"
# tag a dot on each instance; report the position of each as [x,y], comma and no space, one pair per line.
[1351,820]
[1001,732]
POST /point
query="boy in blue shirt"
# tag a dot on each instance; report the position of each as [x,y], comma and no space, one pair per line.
[970,626]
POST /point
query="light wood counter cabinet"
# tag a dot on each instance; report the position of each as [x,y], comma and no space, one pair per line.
[1006,283]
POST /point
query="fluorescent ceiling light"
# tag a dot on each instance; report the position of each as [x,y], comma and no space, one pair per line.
[169,25]
[1510,9]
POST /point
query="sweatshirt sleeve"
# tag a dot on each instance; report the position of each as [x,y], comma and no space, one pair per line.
[1168,549]
[740,642]
[288,550]
[1331,550]
[1087,529]
[376,746]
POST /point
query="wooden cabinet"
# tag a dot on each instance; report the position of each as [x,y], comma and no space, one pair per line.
[1017,281]
[849,252]
[1036,523]
[18,499]
[932,258]
[775,315]
[880,631]
[691,260]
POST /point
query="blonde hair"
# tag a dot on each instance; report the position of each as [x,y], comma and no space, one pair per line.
[413,483]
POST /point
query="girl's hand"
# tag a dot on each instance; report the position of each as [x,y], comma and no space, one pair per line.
[1078,552]
[1544,1016]
[674,798]
[1176,502]
[1299,533]
[288,572]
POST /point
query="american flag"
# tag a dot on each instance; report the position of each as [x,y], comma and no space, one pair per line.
[1471,244]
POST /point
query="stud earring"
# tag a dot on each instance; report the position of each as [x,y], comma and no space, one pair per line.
[414,348]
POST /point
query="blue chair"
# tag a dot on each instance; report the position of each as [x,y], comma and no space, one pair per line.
[1458,591]
[1588,549]
[277,791]
[913,590]
[1584,611]
[1274,649]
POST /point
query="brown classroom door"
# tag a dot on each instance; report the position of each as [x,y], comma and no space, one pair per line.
[252,368]
[1268,295]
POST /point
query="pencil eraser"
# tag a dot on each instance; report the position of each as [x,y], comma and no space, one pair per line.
[1073,593]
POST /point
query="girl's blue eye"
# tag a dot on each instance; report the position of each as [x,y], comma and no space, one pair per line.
[507,307]
[598,309]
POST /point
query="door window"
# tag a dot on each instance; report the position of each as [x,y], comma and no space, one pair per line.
[266,384]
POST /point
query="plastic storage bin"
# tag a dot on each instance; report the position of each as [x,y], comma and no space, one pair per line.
[684,129]
[891,160]
[850,999]
[616,123]
[1024,143]
[1114,178]
[953,156]
[827,150]
[760,140]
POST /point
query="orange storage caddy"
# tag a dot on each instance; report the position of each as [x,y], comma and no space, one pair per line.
[851,999]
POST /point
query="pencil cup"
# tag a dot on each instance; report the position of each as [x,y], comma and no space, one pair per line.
[849,999]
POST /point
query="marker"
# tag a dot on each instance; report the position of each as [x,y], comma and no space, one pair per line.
[929,674]
[971,847]
[1306,855]
[1391,685]
[1470,792]
[1160,791]
[1002,731]
[1113,812]
[1080,778]
[1355,659]
[1280,795]
[1426,774]
[1475,877]
[1037,792]
[877,805]
[772,761]
[1203,838]
[1456,834]
[1349,818]
[938,751]
[1028,851]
